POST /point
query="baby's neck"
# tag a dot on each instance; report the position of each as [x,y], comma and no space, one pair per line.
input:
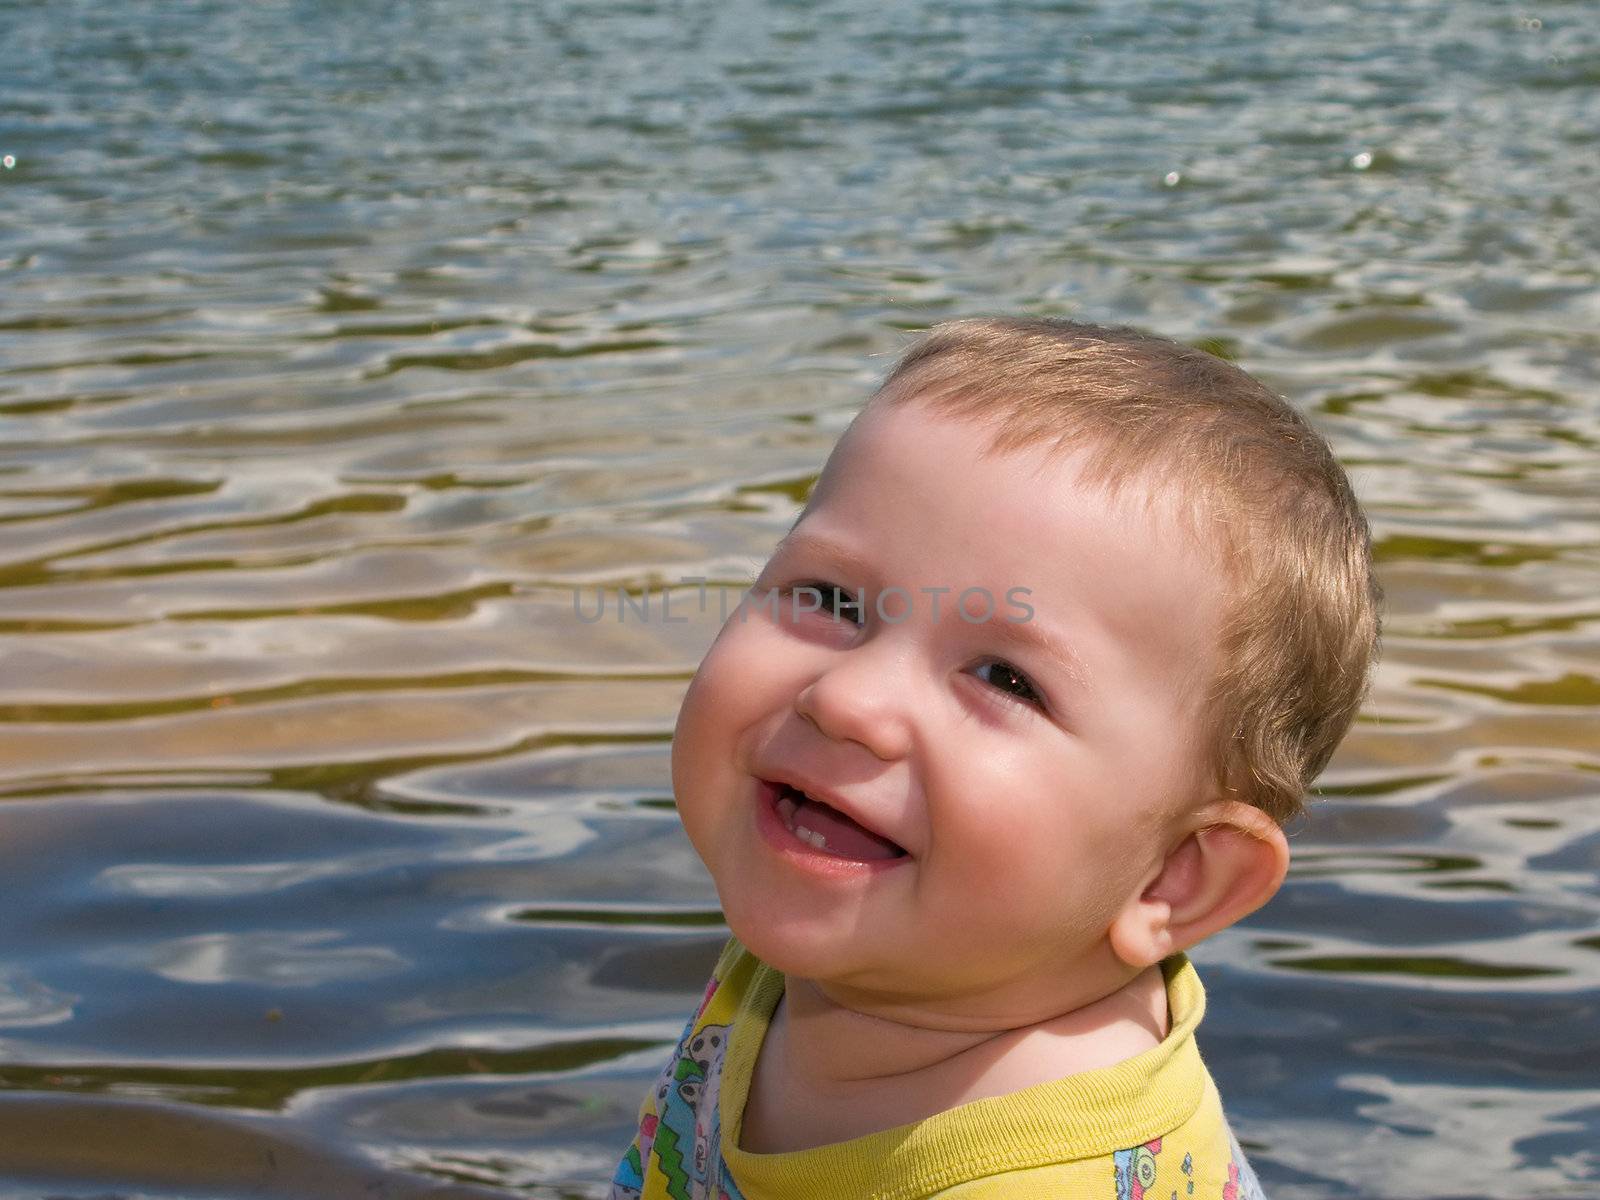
[828,1072]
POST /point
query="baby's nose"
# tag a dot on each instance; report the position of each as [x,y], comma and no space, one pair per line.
[865,697]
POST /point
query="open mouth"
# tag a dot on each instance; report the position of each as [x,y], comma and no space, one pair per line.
[826,829]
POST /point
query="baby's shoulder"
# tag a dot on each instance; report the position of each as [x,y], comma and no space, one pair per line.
[679,1136]
[704,1044]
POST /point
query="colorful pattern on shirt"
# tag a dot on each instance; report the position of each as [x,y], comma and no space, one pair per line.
[1141,1174]
[676,1155]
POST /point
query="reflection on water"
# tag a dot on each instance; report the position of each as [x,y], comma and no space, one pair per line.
[339,347]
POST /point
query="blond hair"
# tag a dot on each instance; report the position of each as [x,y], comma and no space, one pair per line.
[1301,626]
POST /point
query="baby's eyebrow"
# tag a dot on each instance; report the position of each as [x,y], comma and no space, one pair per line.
[1029,636]
[810,543]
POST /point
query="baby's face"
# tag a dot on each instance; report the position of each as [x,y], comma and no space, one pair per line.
[937,798]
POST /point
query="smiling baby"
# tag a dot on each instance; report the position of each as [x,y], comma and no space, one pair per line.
[1012,717]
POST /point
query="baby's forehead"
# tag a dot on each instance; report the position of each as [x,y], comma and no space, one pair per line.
[1085,464]
[953,487]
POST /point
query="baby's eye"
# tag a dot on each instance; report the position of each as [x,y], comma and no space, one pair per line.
[999,674]
[839,603]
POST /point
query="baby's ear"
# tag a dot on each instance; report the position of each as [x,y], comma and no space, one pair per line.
[1229,864]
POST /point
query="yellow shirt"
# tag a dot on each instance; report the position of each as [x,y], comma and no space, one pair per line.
[1148,1128]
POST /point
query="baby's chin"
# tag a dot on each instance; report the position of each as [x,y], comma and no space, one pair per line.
[788,946]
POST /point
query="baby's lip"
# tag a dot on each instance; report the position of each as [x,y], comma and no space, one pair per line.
[816,791]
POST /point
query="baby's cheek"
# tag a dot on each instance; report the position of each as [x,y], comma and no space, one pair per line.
[725,660]
[705,743]
[732,654]
[693,749]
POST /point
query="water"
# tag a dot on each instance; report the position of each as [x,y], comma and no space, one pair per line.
[340,342]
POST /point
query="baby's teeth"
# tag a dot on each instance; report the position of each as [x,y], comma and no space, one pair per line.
[787,808]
